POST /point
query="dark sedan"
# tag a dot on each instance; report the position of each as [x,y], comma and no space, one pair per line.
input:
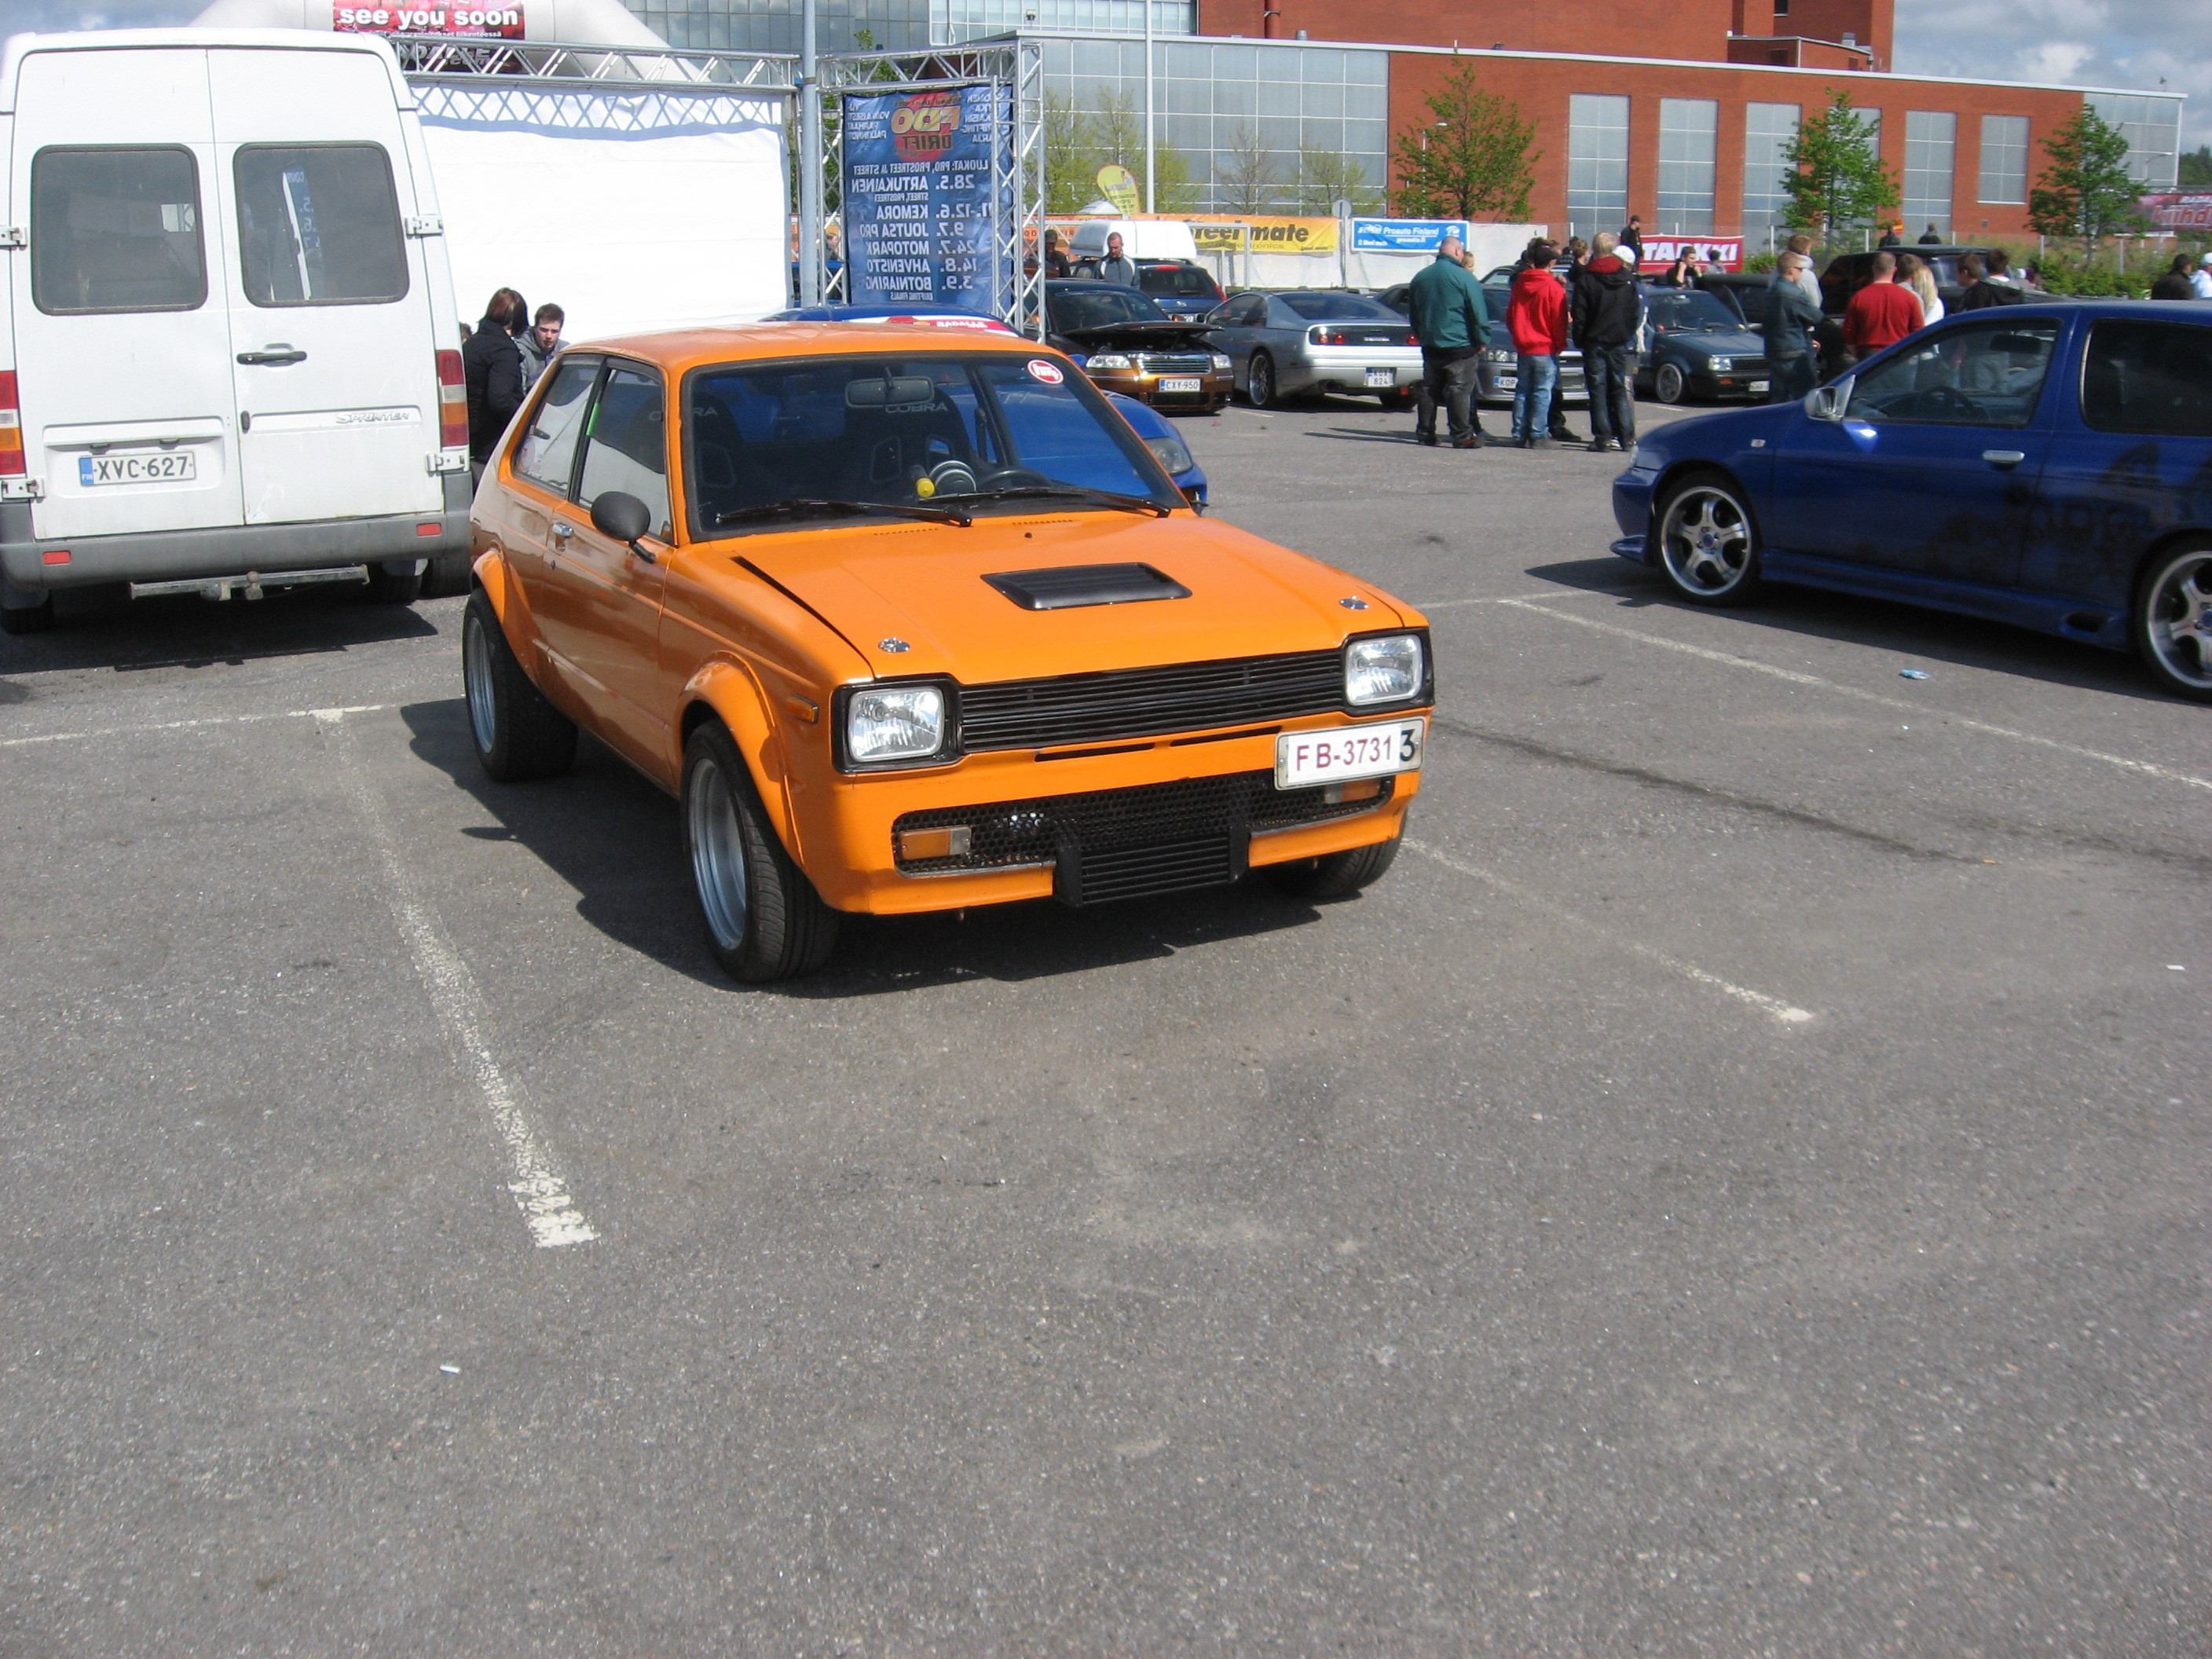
[2047,465]
[1125,343]
[1692,346]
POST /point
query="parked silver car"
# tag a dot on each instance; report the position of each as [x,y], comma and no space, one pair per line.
[1286,345]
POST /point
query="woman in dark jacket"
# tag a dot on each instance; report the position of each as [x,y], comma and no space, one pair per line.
[493,364]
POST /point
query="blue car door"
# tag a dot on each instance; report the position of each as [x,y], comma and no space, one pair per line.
[1932,470]
[2135,462]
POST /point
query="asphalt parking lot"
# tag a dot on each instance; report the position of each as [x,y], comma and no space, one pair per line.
[1737,1187]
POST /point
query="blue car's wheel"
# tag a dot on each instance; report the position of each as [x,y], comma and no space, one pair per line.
[1708,544]
[2172,620]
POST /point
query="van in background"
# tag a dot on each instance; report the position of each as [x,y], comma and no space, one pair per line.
[1141,239]
[227,358]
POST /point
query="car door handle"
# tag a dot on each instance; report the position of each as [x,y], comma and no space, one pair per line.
[2004,456]
[276,355]
[562,531]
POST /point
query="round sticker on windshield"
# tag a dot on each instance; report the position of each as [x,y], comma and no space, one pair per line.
[1042,370]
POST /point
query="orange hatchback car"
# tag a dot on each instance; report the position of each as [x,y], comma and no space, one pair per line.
[913,624]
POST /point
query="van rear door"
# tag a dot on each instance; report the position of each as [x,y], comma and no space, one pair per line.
[123,350]
[335,359]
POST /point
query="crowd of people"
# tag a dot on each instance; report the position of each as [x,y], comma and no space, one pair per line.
[501,360]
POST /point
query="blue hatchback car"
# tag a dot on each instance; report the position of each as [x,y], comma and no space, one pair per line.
[2048,466]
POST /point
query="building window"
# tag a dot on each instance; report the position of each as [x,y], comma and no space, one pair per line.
[1597,163]
[1931,137]
[1686,128]
[1781,8]
[954,20]
[1767,131]
[2004,158]
[2153,128]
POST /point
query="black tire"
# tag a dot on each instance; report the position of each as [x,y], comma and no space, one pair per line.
[2170,621]
[1333,875]
[1260,382]
[1707,540]
[519,735]
[1668,384]
[386,588]
[448,574]
[764,919]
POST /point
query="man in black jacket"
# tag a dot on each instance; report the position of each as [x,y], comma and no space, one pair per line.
[1977,290]
[1604,310]
[493,365]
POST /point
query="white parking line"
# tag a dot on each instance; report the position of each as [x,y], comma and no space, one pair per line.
[186,726]
[1786,1013]
[1920,708]
[1518,599]
[539,1189]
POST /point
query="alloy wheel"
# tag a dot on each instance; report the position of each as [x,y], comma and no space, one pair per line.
[2178,620]
[476,679]
[1705,541]
[718,853]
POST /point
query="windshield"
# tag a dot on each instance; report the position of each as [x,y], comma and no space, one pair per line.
[1183,282]
[904,432]
[1333,308]
[1692,309]
[1094,306]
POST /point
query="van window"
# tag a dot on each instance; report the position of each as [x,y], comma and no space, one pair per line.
[627,448]
[116,229]
[2150,378]
[547,454]
[318,225]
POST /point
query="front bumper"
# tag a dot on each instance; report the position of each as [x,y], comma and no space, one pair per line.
[1090,849]
[1631,510]
[1740,382]
[1216,386]
[1496,383]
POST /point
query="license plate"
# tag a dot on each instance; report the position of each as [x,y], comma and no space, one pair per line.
[1756,385]
[1508,382]
[1381,377]
[1305,758]
[1183,383]
[135,469]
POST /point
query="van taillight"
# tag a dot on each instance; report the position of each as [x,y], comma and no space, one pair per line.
[11,427]
[453,402]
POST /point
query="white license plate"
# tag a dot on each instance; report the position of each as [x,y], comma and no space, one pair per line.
[1757,385]
[1345,752]
[1508,382]
[135,469]
[1183,383]
[1381,377]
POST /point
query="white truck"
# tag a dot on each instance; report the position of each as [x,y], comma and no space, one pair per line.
[228,354]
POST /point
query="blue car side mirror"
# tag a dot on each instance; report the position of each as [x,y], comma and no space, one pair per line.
[1828,402]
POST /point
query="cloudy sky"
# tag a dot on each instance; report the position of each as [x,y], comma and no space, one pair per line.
[2099,43]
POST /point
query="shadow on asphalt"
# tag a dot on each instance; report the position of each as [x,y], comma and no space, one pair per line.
[103,629]
[617,841]
[1879,624]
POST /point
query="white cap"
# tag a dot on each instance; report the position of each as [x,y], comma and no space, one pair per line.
[2207,259]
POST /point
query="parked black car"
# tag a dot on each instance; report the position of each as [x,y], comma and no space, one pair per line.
[1694,345]
[1125,343]
[1181,288]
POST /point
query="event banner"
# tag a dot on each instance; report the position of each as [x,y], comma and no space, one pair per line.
[1661,252]
[496,22]
[2190,211]
[1223,232]
[920,222]
[1403,235]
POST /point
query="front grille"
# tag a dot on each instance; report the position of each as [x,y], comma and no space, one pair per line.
[1159,364]
[1176,867]
[1097,837]
[1147,703]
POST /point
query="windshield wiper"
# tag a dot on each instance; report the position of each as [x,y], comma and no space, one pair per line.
[796,508]
[1074,492]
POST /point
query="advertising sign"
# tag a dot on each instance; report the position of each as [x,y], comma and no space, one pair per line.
[1119,185]
[2189,211]
[1403,235]
[1223,232]
[492,22]
[921,220]
[1661,252]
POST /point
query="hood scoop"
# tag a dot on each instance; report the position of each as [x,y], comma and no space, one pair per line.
[1072,586]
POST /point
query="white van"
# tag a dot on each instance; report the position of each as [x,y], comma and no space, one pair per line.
[226,356]
[1141,239]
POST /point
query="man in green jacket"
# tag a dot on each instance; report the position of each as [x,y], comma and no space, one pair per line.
[1453,326]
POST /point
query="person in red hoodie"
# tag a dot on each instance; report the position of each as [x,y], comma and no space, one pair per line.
[1882,314]
[1536,313]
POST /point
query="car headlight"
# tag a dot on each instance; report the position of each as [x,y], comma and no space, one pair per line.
[1107,360]
[1387,670]
[1721,365]
[1171,452]
[1499,354]
[894,723]
[1220,362]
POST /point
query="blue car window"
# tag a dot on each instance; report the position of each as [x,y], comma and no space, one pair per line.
[2153,377]
[1978,374]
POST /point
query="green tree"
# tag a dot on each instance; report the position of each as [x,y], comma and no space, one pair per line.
[1071,152]
[2196,168]
[2087,190]
[1472,161]
[1837,178]
[1078,143]
[1326,178]
[1244,176]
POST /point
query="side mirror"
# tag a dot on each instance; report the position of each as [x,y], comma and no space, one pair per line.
[1828,402]
[622,518]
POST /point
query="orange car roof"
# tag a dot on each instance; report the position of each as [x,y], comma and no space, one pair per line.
[678,349]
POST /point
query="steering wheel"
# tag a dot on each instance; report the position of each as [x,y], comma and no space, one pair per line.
[1015,477]
[1946,403]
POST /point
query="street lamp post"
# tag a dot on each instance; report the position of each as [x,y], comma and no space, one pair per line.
[809,165]
[1151,199]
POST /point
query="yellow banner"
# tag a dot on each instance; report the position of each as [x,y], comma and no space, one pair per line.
[1223,232]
